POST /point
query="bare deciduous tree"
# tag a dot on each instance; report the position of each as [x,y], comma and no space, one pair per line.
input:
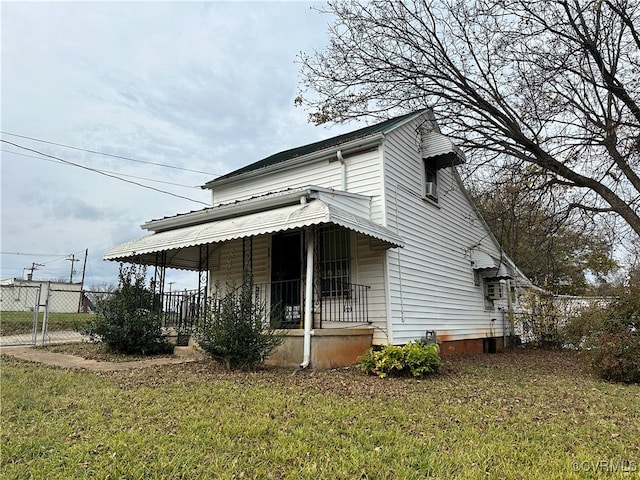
[562,256]
[554,83]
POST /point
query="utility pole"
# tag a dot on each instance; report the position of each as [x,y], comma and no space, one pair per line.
[84,266]
[34,266]
[73,260]
[84,269]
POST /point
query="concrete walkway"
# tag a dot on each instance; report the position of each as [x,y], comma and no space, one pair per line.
[26,339]
[38,355]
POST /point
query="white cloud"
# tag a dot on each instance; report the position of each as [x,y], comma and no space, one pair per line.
[204,86]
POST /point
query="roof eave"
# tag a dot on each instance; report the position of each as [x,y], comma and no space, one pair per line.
[260,203]
[346,148]
[225,211]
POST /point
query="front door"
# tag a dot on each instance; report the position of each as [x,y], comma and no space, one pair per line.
[286,275]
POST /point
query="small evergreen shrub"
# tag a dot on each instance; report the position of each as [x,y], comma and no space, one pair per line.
[125,321]
[416,358]
[236,331]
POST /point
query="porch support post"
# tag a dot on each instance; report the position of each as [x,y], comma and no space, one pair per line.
[308,299]
[203,281]
[158,281]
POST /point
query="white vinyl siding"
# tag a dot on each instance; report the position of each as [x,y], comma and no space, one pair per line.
[260,259]
[229,266]
[428,284]
[230,261]
[261,184]
[363,174]
[431,279]
[370,271]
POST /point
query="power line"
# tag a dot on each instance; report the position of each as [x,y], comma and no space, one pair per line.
[40,254]
[108,154]
[44,263]
[32,254]
[102,173]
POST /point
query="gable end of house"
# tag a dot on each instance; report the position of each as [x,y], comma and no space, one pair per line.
[320,148]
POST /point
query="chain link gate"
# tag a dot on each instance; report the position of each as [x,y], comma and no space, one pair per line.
[44,313]
[20,314]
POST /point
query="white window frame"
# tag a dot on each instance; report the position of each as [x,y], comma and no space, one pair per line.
[430,183]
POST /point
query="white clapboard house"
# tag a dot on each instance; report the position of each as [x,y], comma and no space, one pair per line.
[365,238]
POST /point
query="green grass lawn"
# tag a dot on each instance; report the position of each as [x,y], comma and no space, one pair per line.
[520,415]
[13,323]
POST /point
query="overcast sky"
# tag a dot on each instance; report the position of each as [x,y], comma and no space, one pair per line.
[208,87]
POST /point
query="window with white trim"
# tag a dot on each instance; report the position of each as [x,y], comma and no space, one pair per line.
[430,179]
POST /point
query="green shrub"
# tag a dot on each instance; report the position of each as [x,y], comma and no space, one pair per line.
[617,356]
[416,358]
[609,335]
[582,329]
[236,331]
[125,321]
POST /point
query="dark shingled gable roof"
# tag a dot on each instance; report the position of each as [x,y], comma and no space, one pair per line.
[285,155]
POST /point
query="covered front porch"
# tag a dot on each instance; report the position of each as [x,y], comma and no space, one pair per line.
[341,329]
[304,261]
[284,300]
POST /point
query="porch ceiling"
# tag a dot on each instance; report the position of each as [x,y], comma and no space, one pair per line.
[182,244]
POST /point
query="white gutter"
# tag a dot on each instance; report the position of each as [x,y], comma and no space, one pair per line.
[308,301]
[400,289]
[510,314]
[343,163]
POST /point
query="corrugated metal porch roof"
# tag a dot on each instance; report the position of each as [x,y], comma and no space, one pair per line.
[182,244]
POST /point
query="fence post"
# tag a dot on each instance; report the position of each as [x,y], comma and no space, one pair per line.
[45,320]
[36,313]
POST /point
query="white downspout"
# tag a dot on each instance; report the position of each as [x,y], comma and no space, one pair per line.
[400,288]
[308,300]
[344,170]
[510,316]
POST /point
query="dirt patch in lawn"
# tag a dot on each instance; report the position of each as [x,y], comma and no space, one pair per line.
[503,369]
[515,367]
[98,352]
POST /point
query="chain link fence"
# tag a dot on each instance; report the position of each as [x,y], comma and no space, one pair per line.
[41,315]
[543,318]
[19,314]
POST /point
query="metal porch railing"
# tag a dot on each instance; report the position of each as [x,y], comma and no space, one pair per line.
[283,303]
[345,302]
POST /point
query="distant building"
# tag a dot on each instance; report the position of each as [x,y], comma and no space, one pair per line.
[18,295]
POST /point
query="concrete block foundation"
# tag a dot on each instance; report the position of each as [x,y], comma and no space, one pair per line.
[330,347]
[474,345]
